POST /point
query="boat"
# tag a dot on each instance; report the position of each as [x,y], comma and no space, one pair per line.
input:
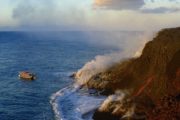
[27,75]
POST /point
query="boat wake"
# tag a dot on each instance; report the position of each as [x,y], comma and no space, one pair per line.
[75,103]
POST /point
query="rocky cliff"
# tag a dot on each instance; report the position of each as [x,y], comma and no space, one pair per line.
[150,83]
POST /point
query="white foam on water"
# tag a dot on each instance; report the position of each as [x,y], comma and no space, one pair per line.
[66,74]
[71,104]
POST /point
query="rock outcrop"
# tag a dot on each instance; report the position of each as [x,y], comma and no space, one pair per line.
[152,81]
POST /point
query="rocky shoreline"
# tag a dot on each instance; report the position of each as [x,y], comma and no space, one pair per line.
[150,84]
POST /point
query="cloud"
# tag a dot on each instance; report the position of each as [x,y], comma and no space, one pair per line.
[145,6]
[119,4]
[161,6]
[159,10]
[50,14]
[34,12]
[81,15]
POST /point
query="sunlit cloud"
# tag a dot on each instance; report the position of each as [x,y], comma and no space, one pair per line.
[148,6]
[119,4]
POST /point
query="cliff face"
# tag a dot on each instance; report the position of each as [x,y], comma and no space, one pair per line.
[152,80]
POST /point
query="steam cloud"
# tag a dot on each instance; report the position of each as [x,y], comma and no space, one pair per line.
[119,97]
[132,46]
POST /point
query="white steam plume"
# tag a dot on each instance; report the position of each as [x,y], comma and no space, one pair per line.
[119,105]
[132,46]
[117,97]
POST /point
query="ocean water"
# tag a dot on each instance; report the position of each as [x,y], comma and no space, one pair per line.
[53,56]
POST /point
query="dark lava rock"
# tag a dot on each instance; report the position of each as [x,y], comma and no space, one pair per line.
[104,116]
[154,75]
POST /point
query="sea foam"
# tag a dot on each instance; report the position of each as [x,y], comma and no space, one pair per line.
[73,103]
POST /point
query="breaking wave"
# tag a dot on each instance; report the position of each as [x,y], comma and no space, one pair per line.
[75,103]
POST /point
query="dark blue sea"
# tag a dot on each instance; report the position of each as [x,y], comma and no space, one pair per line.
[52,56]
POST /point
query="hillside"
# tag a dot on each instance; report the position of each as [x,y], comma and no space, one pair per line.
[152,82]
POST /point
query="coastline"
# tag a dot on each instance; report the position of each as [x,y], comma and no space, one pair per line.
[76,102]
[142,85]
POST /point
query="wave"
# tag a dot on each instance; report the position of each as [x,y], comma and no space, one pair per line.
[75,103]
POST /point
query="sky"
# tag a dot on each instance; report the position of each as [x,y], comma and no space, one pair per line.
[110,15]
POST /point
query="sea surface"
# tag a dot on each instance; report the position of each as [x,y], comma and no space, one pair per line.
[52,56]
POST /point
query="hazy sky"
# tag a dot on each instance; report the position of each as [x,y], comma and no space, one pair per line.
[89,14]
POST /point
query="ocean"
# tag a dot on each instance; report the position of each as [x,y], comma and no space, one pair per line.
[53,57]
